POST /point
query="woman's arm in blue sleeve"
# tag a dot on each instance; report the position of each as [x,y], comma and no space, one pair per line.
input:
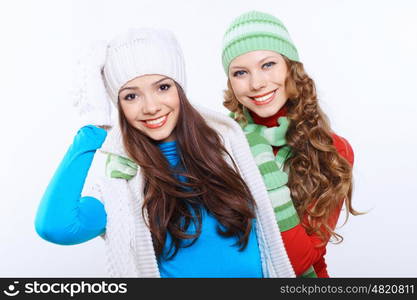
[63,217]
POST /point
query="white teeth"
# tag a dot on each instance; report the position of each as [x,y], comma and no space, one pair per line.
[263,98]
[156,121]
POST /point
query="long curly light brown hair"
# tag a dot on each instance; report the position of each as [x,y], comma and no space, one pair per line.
[319,177]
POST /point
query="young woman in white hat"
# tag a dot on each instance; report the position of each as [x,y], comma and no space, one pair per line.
[176,199]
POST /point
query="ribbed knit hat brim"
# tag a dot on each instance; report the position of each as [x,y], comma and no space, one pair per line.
[140,52]
[253,31]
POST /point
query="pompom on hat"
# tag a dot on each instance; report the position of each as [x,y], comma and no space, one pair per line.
[106,67]
[256,31]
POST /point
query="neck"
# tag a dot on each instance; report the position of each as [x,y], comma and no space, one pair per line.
[170,151]
[270,121]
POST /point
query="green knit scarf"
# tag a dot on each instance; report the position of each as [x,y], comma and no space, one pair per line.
[261,139]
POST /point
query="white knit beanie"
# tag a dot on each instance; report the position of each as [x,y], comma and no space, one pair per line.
[106,67]
[140,52]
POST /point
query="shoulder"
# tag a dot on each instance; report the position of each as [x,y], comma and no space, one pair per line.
[343,147]
[222,123]
[229,130]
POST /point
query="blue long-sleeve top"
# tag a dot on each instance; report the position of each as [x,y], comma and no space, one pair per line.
[66,218]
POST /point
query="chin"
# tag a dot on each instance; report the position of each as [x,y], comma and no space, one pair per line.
[160,137]
[265,112]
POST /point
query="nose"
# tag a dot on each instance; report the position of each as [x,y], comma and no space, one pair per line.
[150,106]
[257,81]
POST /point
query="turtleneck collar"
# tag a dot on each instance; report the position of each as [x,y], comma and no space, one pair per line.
[269,121]
[170,151]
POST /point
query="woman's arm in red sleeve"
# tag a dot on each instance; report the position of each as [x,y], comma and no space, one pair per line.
[303,250]
[344,148]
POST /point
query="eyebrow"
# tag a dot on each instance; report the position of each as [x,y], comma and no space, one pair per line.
[261,61]
[236,67]
[136,88]
[266,58]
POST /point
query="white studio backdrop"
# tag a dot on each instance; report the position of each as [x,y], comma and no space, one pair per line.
[361,54]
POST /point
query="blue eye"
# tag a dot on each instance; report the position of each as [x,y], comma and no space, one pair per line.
[238,73]
[129,97]
[164,87]
[268,64]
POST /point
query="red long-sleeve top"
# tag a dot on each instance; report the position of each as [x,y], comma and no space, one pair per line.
[302,249]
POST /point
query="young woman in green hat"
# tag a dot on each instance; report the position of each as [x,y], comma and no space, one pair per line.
[306,167]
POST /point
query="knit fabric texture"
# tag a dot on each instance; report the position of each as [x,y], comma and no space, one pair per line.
[142,51]
[88,93]
[261,139]
[256,31]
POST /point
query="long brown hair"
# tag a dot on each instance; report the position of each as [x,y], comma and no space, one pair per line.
[210,182]
[319,177]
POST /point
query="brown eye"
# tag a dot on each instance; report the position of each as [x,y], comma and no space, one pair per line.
[130,97]
[164,87]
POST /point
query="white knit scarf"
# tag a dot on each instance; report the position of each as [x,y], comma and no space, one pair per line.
[129,247]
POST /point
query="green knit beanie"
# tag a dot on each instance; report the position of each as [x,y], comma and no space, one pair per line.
[256,31]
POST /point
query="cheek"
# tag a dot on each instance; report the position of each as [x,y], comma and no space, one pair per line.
[277,77]
[130,111]
[172,101]
[239,87]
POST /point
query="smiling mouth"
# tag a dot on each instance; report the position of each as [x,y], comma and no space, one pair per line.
[263,99]
[156,123]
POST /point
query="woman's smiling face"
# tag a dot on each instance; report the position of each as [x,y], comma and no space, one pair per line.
[151,104]
[258,81]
